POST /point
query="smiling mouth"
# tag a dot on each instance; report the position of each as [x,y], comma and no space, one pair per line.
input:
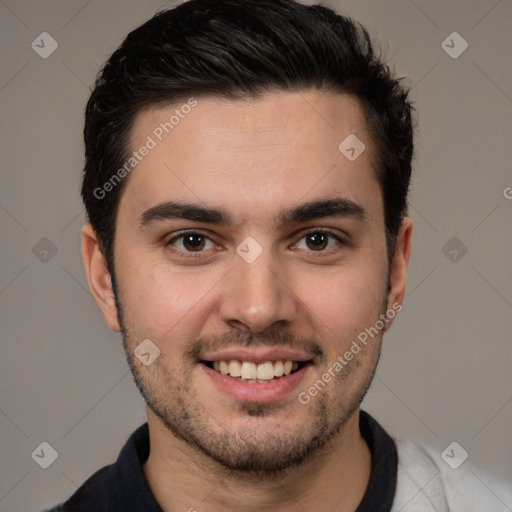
[252,373]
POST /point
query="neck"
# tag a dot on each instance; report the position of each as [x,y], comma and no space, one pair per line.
[332,479]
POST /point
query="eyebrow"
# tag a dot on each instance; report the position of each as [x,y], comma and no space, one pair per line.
[339,207]
[188,211]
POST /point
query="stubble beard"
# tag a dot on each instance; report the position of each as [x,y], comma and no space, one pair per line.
[256,451]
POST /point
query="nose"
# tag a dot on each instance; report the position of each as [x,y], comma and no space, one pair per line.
[256,297]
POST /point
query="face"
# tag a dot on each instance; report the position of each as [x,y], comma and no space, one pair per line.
[251,252]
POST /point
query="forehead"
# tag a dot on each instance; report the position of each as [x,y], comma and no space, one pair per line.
[252,155]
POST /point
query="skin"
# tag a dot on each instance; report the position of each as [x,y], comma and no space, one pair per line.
[254,159]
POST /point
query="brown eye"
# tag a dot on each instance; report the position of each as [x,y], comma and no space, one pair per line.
[191,242]
[317,241]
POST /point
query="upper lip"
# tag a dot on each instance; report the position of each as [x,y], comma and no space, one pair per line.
[256,356]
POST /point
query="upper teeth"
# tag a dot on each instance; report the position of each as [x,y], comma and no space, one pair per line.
[251,371]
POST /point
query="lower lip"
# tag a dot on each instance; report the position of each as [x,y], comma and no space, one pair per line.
[244,391]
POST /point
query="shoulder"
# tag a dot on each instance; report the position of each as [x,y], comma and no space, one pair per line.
[93,494]
[119,486]
[426,483]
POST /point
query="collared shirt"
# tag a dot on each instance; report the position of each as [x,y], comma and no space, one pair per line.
[404,477]
[122,487]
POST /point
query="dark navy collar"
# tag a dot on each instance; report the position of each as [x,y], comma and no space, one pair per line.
[122,486]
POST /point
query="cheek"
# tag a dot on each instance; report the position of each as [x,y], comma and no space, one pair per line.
[343,304]
[163,305]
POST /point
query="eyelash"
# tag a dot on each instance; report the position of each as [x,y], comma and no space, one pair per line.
[196,254]
[321,231]
[185,253]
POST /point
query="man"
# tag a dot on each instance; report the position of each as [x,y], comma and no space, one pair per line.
[246,178]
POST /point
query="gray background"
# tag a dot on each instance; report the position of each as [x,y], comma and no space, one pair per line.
[445,371]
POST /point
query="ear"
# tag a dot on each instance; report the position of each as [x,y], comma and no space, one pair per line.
[398,270]
[98,276]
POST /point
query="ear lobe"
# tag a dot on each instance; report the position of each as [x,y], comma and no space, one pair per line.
[399,264]
[98,276]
